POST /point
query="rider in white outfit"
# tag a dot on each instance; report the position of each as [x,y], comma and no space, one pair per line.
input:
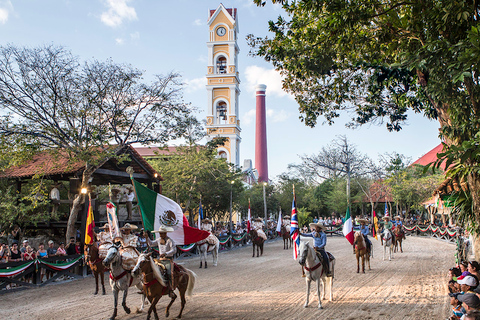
[258,226]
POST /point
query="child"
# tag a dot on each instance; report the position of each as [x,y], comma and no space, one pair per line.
[456,307]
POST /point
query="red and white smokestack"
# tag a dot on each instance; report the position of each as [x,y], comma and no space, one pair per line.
[261,162]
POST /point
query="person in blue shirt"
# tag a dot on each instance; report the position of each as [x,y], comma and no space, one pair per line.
[398,222]
[319,243]
[365,231]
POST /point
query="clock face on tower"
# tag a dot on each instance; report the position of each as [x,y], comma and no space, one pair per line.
[221,31]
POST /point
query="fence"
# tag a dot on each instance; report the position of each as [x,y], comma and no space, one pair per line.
[445,234]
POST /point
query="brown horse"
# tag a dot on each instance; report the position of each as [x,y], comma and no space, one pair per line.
[94,261]
[256,241]
[155,285]
[361,251]
[399,236]
[286,238]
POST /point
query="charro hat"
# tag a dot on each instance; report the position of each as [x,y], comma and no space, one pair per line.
[163,229]
[258,219]
[398,217]
[105,226]
[206,220]
[386,217]
[360,220]
[318,224]
[129,227]
[286,217]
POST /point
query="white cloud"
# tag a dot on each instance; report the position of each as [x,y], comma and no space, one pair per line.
[5,8]
[202,59]
[195,84]
[118,11]
[135,35]
[119,41]
[277,115]
[248,117]
[258,75]
[198,22]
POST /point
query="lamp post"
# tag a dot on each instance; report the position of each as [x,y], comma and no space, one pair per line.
[231,202]
[265,204]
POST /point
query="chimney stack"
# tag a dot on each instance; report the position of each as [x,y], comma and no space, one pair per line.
[261,162]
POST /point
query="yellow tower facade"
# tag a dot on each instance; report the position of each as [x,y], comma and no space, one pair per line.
[223,82]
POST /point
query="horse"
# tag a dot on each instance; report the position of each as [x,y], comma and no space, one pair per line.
[399,236]
[314,271]
[387,242]
[94,261]
[256,241]
[204,248]
[155,285]
[120,279]
[361,251]
[287,239]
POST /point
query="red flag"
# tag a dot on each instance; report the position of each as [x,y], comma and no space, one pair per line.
[89,234]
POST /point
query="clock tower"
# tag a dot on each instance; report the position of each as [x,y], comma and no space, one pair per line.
[223,82]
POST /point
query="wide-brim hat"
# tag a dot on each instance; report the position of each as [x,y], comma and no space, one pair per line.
[318,224]
[286,217]
[105,226]
[398,217]
[258,220]
[386,217]
[362,220]
[163,229]
[206,220]
[129,226]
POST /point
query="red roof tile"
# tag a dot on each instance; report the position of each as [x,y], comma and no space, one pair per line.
[431,156]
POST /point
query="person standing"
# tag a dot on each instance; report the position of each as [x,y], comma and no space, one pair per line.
[15,254]
[130,195]
[319,243]
[166,251]
[55,197]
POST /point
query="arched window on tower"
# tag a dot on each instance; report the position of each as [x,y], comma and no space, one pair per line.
[222,155]
[221,64]
[222,112]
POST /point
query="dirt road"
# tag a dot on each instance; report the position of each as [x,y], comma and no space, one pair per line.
[412,286]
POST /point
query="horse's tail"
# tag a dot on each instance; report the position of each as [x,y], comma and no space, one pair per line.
[191,281]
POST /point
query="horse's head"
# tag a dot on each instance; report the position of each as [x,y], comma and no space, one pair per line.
[357,236]
[112,254]
[142,262]
[87,252]
[303,252]
[386,234]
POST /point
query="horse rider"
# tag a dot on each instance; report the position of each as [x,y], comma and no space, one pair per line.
[206,225]
[319,243]
[365,230]
[398,222]
[105,240]
[258,226]
[129,242]
[166,250]
[286,223]
[387,224]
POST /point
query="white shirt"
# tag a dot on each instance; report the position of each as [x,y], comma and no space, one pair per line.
[55,194]
[130,196]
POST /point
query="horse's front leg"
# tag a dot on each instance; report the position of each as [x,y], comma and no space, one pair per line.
[330,280]
[124,301]
[308,292]
[215,256]
[384,252]
[152,307]
[253,246]
[401,249]
[358,263]
[96,281]
[363,263]
[102,278]
[320,296]
[115,303]
[167,310]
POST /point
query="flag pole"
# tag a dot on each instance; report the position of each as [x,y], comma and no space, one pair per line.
[130,171]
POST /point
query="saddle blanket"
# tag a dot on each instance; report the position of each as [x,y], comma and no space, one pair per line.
[129,257]
[103,250]
[211,239]
[261,234]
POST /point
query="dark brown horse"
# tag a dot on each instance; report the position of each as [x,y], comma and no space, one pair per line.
[155,285]
[94,261]
[256,241]
[361,251]
[399,236]
[287,239]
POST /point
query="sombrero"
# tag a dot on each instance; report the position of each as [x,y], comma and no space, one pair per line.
[386,217]
[129,226]
[163,229]
[258,220]
[398,217]
[206,220]
[318,224]
[286,217]
[105,226]
[360,220]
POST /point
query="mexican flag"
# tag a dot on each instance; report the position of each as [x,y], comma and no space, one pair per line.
[159,210]
[348,227]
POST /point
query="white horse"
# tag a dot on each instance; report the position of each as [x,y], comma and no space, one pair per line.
[387,243]
[204,248]
[314,272]
[120,279]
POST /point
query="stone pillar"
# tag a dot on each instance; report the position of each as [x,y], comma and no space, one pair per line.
[261,162]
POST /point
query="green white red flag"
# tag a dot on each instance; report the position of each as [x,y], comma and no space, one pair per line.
[348,227]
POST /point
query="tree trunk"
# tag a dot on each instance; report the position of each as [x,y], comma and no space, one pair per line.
[474,189]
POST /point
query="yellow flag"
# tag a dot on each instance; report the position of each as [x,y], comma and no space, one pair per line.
[89,225]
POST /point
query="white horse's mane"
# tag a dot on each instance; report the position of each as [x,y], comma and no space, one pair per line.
[156,272]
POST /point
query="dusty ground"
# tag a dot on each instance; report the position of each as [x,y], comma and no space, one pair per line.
[412,286]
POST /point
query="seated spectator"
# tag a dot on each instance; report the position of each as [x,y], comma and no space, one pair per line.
[470,302]
[70,249]
[51,250]
[468,284]
[15,254]
[4,252]
[474,268]
[29,254]
[472,315]
[464,268]
[61,250]
[23,249]
[454,273]
[456,306]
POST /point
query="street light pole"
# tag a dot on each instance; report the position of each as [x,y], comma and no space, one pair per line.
[231,202]
[265,204]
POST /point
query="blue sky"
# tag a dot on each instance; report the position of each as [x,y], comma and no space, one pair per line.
[164,36]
